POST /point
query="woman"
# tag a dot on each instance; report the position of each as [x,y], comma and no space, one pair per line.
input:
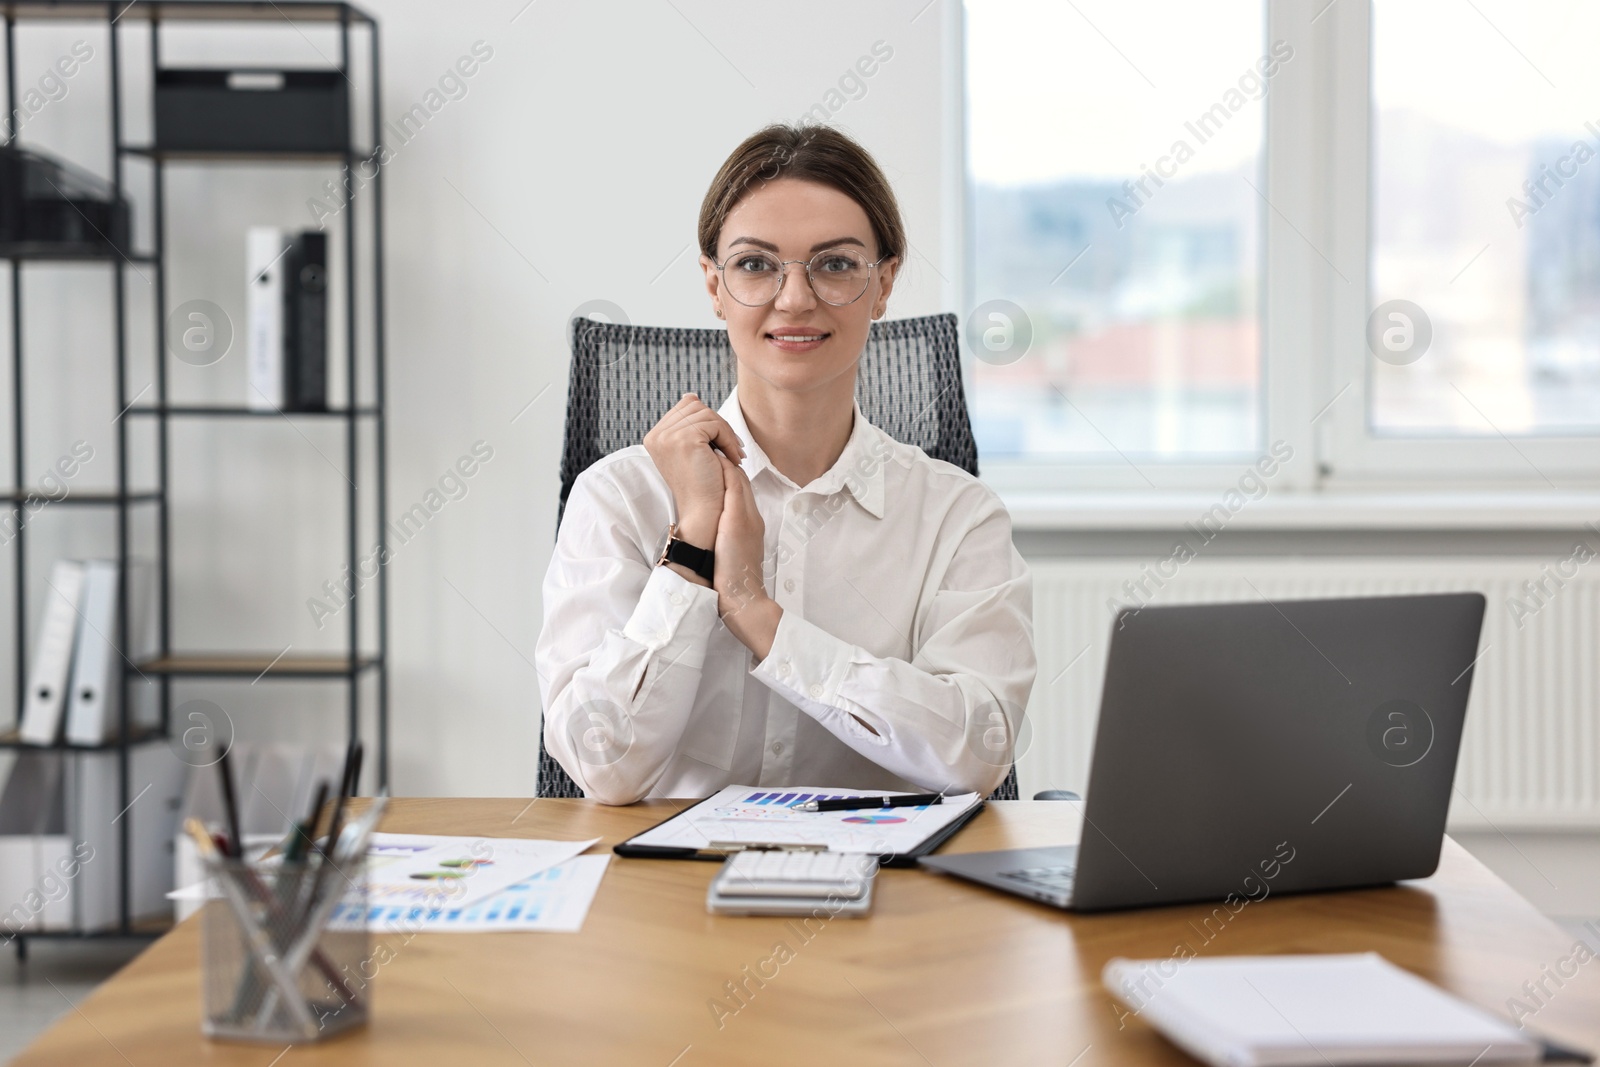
[775,592]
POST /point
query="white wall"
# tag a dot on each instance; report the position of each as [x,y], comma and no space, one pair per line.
[572,170]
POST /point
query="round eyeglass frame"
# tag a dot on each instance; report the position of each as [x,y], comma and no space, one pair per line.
[783,276]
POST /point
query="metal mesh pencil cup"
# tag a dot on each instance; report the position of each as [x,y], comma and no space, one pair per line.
[273,968]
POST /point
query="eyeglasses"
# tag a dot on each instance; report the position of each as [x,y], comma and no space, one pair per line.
[838,276]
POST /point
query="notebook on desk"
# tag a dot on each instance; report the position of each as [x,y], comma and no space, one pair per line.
[1316,1011]
[749,818]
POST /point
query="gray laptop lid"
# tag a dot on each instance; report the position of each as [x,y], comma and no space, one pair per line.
[1259,748]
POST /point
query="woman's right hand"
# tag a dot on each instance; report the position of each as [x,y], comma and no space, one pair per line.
[681,445]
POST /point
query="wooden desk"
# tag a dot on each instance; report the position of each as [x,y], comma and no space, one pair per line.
[942,973]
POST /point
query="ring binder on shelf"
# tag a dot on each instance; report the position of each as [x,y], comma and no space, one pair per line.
[47,682]
[265,249]
[96,690]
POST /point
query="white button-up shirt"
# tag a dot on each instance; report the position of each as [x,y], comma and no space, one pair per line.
[905,607]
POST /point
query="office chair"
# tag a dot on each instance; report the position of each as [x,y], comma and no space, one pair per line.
[624,377]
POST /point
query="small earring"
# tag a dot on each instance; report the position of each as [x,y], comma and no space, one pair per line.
[718,311]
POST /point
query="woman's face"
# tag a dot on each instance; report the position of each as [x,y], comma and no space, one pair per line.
[797,342]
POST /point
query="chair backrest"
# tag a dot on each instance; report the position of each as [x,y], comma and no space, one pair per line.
[624,377]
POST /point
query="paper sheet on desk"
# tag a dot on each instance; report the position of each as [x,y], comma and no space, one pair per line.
[556,900]
[431,871]
[424,870]
[752,815]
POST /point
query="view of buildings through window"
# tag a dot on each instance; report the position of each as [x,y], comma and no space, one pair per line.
[1486,214]
[1117,208]
[1115,202]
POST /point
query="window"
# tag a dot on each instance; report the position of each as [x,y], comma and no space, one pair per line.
[1486,215]
[1369,229]
[1115,226]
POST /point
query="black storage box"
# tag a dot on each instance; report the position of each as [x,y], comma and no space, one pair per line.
[252,111]
[48,207]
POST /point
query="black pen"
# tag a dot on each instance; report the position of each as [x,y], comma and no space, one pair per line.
[347,787]
[303,834]
[230,808]
[910,800]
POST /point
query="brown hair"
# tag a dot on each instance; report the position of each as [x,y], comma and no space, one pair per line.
[813,153]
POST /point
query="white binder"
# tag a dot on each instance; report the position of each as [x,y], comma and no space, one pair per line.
[47,682]
[96,690]
[264,259]
[94,815]
[36,867]
[61,822]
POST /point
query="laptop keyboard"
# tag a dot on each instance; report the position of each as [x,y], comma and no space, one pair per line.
[1058,879]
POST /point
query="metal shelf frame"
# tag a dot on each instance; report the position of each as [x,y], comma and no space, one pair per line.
[353,665]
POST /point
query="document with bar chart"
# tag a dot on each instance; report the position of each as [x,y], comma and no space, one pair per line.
[750,815]
[554,900]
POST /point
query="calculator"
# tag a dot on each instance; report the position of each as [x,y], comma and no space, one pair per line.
[793,883]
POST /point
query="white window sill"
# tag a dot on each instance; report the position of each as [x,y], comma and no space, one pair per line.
[1282,510]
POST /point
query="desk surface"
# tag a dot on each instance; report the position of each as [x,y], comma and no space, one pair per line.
[942,973]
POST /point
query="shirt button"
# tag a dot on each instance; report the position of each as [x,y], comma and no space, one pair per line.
[677,598]
[796,507]
[783,669]
[816,692]
[777,748]
[788,585]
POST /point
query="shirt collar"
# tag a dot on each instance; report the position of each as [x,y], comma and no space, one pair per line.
[859,468]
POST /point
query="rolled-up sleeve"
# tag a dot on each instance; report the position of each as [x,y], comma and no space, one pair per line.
[947,718]
[621,650]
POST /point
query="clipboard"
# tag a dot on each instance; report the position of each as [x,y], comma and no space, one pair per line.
[718,850]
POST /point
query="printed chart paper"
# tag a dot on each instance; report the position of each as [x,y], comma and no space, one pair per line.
[749,815]
[424,870]
[555,900]
[431,871]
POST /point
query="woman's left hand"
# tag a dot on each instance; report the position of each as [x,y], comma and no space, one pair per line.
[742,601]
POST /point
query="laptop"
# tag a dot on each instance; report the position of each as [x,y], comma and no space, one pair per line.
[1246,750]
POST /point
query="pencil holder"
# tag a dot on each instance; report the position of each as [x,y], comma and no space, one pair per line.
[272,970]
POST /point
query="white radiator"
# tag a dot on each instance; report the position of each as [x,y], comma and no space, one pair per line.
[1530,758]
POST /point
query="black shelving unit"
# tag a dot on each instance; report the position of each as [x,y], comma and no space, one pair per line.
[170,664]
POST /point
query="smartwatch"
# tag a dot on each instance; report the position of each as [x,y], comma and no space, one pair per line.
[700,560]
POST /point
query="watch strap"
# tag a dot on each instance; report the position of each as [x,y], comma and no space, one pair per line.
[700,560]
